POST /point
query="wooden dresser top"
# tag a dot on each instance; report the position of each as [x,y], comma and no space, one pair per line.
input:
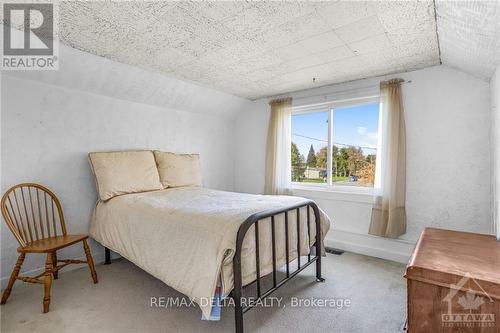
[456,253]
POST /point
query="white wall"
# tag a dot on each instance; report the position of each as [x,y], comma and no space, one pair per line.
[495,146]
[51,120]
[448,159]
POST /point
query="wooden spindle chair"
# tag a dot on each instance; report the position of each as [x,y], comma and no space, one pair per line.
[34,215]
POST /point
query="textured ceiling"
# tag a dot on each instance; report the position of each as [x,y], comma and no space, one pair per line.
[257,49]
[469,35]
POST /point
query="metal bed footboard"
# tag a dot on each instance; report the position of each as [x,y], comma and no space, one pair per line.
[239,310]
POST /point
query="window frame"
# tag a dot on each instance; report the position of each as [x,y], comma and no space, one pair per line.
[330,108]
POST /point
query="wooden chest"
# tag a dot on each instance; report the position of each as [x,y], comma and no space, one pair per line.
[454,283]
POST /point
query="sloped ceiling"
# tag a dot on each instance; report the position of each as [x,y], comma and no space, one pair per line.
[469,35]
[265,48]
[257,49]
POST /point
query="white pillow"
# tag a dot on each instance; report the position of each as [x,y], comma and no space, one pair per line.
[178,169]
[124,172]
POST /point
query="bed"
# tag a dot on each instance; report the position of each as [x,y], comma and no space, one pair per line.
[193,239]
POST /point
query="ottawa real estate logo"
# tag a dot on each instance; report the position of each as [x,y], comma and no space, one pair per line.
[473,307]
[30,36]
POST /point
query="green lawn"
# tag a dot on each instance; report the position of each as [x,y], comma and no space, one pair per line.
[313,180]
[339,179]
[321,180]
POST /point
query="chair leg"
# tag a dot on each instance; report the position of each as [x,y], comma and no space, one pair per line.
[13,277]
[55,272]
[47,282]
[90,261]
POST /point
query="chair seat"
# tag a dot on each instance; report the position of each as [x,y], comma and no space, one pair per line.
[52,243]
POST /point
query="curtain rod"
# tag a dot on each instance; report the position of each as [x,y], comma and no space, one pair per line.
[342,91]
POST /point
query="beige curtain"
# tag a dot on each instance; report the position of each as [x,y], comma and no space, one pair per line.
[278,154]
[388,213]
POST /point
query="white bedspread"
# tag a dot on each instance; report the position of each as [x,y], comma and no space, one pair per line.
[186,237]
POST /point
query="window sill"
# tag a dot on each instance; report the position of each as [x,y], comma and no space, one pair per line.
[337,193]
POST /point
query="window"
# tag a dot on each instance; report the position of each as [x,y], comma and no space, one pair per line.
[335,144]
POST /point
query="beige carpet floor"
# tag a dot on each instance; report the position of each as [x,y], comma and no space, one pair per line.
[120,302]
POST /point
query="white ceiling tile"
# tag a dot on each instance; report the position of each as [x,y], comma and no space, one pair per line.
[305,26]
[334,54]
[216,11]
[348,65]
[321,42]
[264,74]
[304,62]
[416,45]
[402,36]
[412,63]
[255,19]
[395,15]
[283,11]
[293,65]
[264,60]
[306,74]
[292,51]
[375,60]
[256,49]
[342,13]
[274,39]
[359,30]
[371,44]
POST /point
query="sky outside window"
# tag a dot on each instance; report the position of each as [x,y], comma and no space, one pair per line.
[356,126]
